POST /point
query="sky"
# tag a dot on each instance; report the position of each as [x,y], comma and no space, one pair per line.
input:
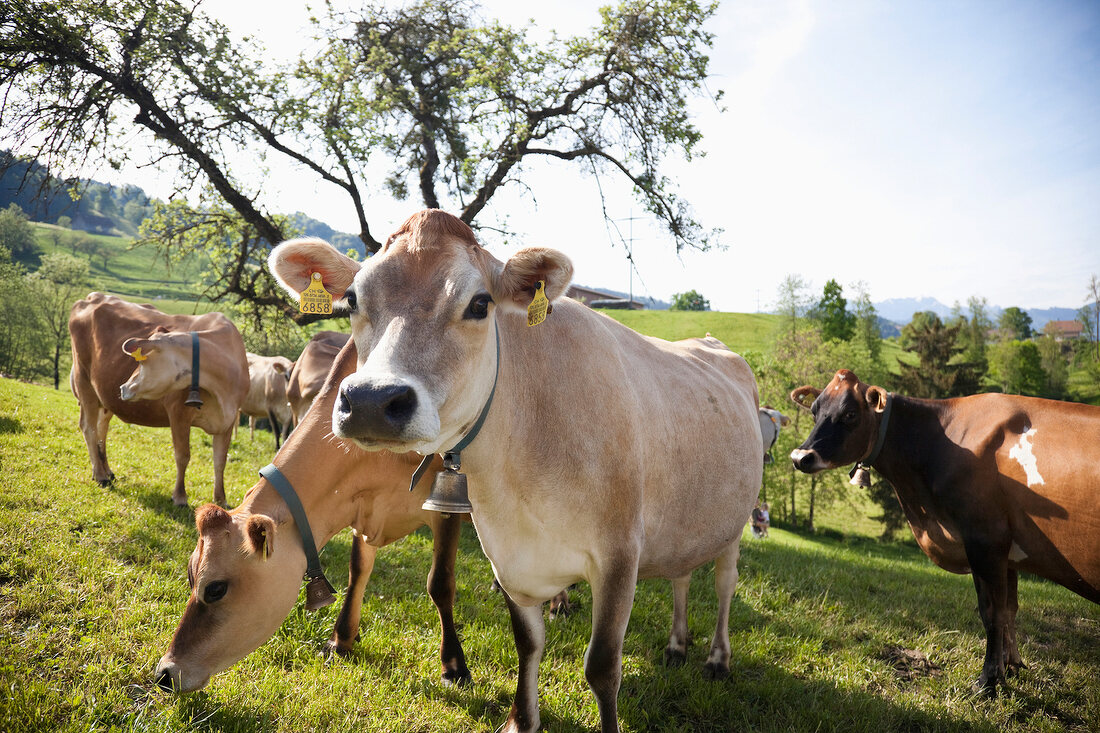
[928,148]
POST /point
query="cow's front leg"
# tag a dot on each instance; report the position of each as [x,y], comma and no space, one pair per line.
[221,454]
[676,651]
[346,630]
[1013,662]
[530,636]
[181,448]
[990,571]
[441,588]
[612,599]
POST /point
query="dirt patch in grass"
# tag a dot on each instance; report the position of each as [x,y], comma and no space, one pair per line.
[909,664]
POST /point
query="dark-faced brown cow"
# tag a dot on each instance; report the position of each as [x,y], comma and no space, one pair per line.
[268,377]
[604,455]
[310,370]
[991,484]
[246,570]
[135,362]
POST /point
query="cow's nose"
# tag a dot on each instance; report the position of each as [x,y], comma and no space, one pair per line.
[165,680]
[374,411]
[803,460]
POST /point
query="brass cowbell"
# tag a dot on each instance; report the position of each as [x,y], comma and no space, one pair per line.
[449,490]
[860,476]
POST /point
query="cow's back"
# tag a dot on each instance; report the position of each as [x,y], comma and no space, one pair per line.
[98,326]
[310,369]
[661,436]
[1047,484]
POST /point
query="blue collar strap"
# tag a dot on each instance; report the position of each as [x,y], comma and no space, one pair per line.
[319,592]
[452,459]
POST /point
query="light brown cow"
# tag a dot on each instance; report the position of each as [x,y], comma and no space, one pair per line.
[605,455]
[267,382]
[247,568]
[991,484]
[110,376]
[310,370]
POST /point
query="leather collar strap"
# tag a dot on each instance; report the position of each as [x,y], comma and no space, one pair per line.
[882,425]
[193,399]
[319,592]
[452,458]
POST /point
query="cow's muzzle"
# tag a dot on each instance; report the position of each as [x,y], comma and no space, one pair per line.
[807,461]
[372,411]
[169,677]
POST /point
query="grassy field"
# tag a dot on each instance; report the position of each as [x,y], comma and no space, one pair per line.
[92,583]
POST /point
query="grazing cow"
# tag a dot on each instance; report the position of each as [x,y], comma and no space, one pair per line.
[771,421]
[310,370]
[991,484]
[246,570]
[136,362]
[267,381]
[442,336]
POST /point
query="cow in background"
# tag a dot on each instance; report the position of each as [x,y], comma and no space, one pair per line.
[268,377]
[247,567]
[309,372]
[991,484]
[771,422]
[135,362]
[438,322]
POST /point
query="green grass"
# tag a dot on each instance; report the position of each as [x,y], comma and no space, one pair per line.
[92,583]
[742,332]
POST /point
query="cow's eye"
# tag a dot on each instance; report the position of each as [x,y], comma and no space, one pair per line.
[353,302]
[849,417]
[215,591]
[190,577]
[479,306]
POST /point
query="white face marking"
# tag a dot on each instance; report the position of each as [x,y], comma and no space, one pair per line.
[1025,456]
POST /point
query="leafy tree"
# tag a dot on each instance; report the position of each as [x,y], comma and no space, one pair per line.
[453,104]
[59,282]
[837,324]
[866,322]
[974,332]
[1054,365]
[793,301]
[1090,313]
[23,347]
[935,346]
[1017,367]
[689,301]
[1015,324]
[65,222]
[16,233]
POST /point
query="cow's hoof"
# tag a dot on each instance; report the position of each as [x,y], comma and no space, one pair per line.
[457,677]
[106,482]
[715,671]
[333,648]
[674,657]
[179,502]
[985,687]
[1013,668]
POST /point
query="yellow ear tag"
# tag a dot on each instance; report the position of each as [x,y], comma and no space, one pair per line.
[536,312]
[315,299]
[138,356]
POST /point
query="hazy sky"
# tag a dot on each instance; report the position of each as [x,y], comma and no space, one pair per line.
[942,149]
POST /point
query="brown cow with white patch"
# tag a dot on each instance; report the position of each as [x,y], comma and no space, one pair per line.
[604,455]
[268,377]
[991,484]
[135,362]
[309,372]
[246,570]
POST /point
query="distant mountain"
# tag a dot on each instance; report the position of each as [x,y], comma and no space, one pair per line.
[900,311]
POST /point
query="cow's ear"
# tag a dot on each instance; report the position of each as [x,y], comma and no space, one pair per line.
[131,347]
[293,263]
[876,398]
[517,282]
[799,396]
[260,535]
[211,517]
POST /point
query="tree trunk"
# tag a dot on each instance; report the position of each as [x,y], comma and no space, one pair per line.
[813,494]
[56,365]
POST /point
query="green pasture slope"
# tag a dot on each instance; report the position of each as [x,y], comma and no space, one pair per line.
[92,583]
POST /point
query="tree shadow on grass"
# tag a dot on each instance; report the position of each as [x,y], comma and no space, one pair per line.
[10,425]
